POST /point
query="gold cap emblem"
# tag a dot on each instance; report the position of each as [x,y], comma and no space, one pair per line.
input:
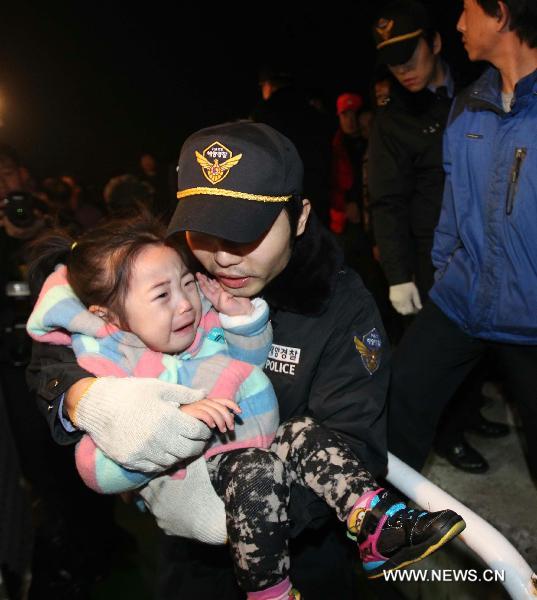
[384,28]
[222,161]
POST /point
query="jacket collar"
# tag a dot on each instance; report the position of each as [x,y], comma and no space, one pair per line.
[448,83]
[488,89]
[414,103]
[306,284]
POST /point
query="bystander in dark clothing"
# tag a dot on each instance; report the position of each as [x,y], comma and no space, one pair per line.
[15,514]
[126,196]
[350,216]
[406,180]
[287,109]
[157,176]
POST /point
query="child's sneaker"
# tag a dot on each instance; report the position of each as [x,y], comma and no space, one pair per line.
[391,536]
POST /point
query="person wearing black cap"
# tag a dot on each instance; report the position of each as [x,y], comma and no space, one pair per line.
[406,181]
[245,220]
[405,150]
[239,186]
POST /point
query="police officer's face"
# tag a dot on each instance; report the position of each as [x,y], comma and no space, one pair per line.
[245,269]
[419,71]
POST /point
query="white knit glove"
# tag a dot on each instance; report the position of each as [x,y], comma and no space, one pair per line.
[188,507]
[405,298]
[137,423]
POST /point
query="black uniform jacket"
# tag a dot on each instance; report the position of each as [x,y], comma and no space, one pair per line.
[406,179]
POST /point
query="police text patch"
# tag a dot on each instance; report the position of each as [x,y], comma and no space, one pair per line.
[283,359]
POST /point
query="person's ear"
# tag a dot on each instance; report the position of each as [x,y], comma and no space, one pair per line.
[437,44]
[304,216]
[503,16]
[100,311]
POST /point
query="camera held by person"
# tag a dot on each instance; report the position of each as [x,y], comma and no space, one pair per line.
[22,214]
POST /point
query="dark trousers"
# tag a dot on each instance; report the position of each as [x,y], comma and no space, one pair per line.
[323,565]
[463,411]
[432,360]
[255,486]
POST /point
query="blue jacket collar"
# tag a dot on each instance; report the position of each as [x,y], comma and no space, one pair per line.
[488,89]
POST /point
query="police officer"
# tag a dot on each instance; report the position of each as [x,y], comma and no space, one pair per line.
[406,179]
[241,206]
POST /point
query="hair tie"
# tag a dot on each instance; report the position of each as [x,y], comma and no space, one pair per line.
[73,245]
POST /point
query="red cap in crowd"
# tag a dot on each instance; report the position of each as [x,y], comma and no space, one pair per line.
[349,101]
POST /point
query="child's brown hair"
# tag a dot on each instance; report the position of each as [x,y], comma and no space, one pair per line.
[99,263]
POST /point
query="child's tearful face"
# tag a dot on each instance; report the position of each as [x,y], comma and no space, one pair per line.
[163,306]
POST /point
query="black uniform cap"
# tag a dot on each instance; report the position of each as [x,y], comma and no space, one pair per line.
[234,180]
[398,30]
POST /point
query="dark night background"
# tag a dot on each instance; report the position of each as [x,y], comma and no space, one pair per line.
[86,87]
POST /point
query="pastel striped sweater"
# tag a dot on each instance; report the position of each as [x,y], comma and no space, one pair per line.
[224,359]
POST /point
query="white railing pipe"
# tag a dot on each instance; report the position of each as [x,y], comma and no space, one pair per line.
[480,536]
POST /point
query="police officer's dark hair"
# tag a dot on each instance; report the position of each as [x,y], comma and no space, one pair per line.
[428,35]
[293,208]
[430,32]
[99,263]
[522,17]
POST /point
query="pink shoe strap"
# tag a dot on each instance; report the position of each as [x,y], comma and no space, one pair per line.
[368,548]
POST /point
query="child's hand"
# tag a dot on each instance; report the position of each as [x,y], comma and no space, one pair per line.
[223,301]
[214,412]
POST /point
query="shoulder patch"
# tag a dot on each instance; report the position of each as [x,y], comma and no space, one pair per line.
[369,347]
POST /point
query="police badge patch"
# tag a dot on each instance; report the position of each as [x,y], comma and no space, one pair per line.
[369,348]
[222,161]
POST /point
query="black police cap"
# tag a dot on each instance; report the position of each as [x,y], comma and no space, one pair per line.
[234,180]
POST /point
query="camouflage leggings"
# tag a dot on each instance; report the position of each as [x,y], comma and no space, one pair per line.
[254,485]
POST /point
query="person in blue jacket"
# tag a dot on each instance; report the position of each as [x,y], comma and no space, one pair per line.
[485,250]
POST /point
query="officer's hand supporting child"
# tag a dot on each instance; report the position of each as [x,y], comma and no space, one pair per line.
[136,421]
